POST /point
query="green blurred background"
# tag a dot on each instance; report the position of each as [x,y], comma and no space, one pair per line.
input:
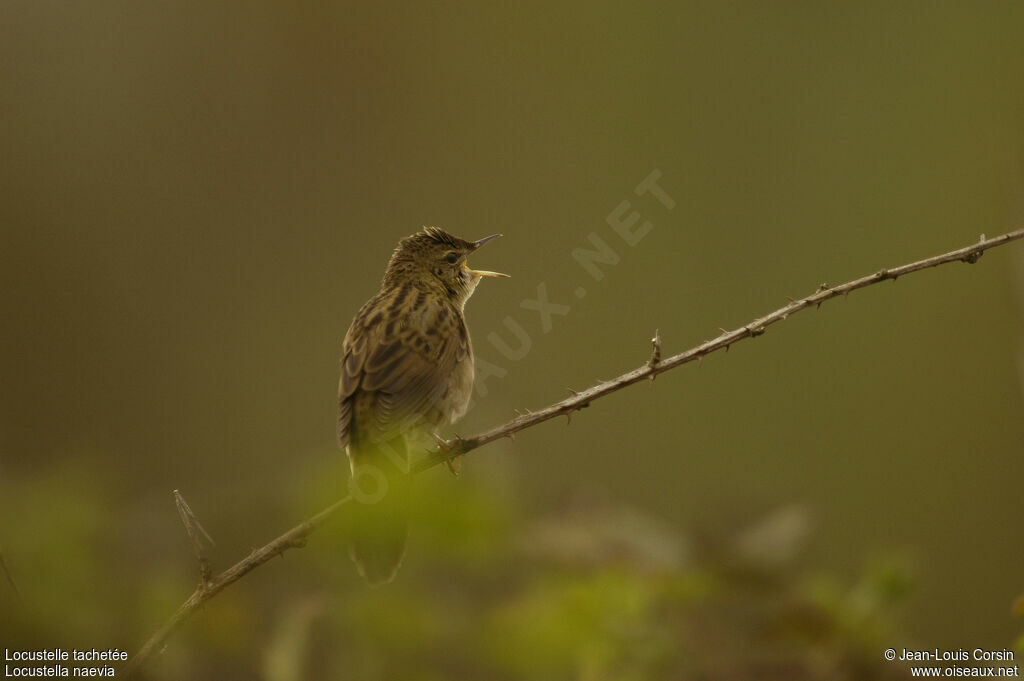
[197,197]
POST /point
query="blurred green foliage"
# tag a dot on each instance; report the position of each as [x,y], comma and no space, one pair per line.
[58,551]
[589,590]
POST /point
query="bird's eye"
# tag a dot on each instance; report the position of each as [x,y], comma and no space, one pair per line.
[451,257]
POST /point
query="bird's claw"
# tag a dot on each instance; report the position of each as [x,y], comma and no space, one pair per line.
[454,463]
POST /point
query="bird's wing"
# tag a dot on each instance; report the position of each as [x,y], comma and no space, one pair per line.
[406,359]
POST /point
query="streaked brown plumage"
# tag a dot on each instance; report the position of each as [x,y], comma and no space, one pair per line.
[406,370]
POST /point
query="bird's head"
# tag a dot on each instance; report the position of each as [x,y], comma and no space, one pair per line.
[437,259]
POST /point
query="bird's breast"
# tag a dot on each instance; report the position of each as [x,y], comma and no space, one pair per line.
[461,388]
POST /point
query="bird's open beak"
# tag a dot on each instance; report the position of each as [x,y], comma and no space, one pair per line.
[485,273]
[481,242]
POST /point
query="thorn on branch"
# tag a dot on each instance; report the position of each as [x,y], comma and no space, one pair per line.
[823,286]
[655,359]
[196,534]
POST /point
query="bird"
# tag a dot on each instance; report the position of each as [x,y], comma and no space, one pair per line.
[406,371]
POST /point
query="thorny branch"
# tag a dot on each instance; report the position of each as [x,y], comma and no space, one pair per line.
[658,365]
[210,586]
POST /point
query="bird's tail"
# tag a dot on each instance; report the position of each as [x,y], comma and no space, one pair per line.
[380,515]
